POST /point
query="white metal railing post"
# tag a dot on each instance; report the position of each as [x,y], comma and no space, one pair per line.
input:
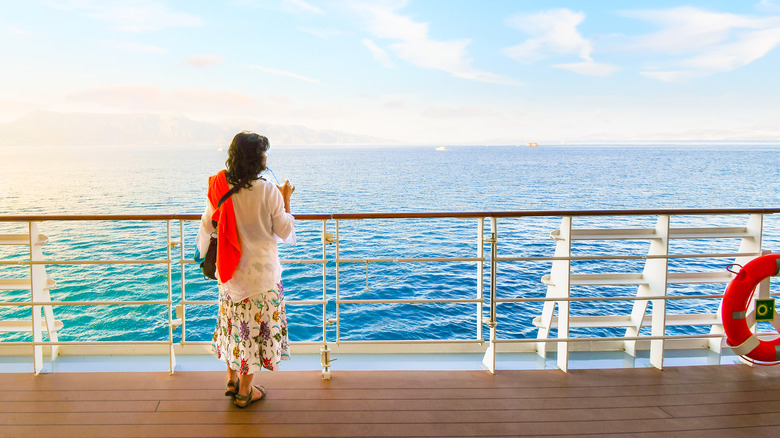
[654,277]
[752,243]
[480,275]
[325,351]
[657,274]
[564,305]
[180,309]
[39,293]
[338,290]
[489,360]
[559,287]
[37,283]
[171,354]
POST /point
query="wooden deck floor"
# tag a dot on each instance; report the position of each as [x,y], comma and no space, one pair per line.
[696,401]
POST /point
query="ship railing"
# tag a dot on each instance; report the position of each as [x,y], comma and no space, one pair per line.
[553,328]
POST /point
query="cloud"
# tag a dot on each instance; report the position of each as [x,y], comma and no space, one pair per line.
[696,43]
[146,98]
[395,104]
[415,46]
[206,98]
[204,60]
[589,68]
[768,6]
[671,76]
[274,71]
[131,15]
[685,29]
[300,6]
[554,32]
[129,46]
[124,96]
[16,31]
[726,57]
[458,112]
[379,55]
[321,33]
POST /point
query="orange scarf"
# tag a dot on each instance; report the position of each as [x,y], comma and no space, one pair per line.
[229,246]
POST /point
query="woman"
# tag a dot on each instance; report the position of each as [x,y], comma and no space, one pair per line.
[251,331]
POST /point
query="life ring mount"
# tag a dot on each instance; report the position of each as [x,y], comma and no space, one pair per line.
[736,302]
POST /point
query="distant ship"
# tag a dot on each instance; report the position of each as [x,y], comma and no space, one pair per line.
[533,144]
[441,148]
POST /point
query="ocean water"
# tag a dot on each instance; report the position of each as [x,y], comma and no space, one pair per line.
[143,180]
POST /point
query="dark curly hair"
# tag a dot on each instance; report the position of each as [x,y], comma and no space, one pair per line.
[246,158]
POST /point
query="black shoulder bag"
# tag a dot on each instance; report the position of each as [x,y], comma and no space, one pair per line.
[209,263]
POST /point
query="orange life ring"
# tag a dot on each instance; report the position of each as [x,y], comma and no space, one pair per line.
[734,310]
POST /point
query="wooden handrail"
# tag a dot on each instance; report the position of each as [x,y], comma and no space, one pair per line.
[405,215]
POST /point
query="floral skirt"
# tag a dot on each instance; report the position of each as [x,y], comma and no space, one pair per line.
[252,334]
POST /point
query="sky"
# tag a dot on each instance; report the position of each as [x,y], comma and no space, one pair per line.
[411,71]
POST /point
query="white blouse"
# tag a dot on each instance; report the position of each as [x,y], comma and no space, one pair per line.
[262,223]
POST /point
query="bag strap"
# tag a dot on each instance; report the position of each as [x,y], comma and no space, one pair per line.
[232,191]
[225,197]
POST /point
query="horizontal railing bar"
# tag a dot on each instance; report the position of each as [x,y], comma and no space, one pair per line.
[413,260]
[83,303]
[503,341]
[342,301]
[82,343]
[126,262]
[283,261]
[286,302]
[628,257]
[399,341]
[415,341]
[526,340]
[395,260]
[135,303]
[556,213]
[618,298]
[302,262]
[375,301]
[409,215]
[412,301]
[204,302]
[616,338]
[86,262]
[210,342]
[370,301]
[478,300]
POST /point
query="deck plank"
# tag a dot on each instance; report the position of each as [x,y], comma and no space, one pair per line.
[733,400]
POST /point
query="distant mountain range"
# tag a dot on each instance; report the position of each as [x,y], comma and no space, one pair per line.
[48,128]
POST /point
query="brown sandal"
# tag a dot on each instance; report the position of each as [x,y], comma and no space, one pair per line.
[234,385]
[246,400]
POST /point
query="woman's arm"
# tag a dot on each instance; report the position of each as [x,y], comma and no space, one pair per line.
[282,221]
[204,232]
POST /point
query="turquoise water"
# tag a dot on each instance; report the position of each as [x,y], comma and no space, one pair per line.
[351,180]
